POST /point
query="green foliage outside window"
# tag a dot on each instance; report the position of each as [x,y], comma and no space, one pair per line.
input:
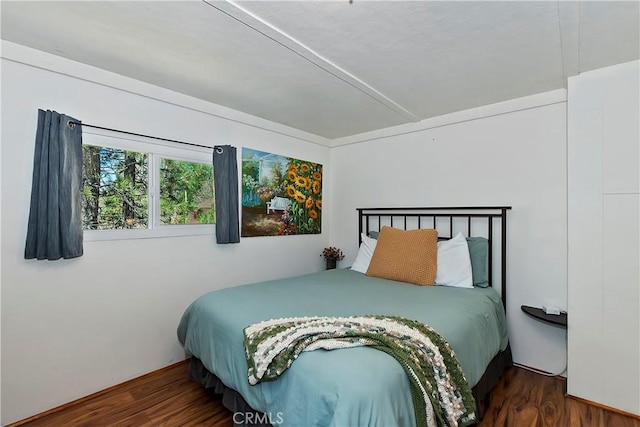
[116,187]
[186,193]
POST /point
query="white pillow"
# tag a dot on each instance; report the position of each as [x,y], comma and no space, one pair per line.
[454,263]
[368,245]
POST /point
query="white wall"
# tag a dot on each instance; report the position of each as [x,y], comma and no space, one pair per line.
[512,153]
[73,327]
[604,236]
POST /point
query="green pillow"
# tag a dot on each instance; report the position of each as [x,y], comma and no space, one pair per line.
[374,234]
[478,249]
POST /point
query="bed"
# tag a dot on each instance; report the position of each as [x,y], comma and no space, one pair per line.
[361,385]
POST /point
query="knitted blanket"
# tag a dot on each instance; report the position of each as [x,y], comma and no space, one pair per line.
[440,392]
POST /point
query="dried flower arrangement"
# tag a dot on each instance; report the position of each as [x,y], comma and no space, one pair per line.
[332,253]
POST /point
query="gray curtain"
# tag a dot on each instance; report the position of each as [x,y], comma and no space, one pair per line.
[225,177]
[55,227]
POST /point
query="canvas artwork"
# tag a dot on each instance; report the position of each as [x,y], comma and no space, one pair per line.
[280,195]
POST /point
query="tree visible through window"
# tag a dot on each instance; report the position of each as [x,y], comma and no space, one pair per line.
[119,184]
[186,192]
[115,189]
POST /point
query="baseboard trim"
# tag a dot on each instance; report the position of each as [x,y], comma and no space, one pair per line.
[91,396]
[542,372]
[605,407]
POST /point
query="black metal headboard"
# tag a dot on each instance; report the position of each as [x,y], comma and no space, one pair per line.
[483,221]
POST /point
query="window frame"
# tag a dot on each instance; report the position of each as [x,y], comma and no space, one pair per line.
[155,152]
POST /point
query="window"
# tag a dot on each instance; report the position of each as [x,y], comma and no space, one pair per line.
[133,189]
[186,193]
[115,188]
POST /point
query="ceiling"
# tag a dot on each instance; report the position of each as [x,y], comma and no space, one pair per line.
[334,68]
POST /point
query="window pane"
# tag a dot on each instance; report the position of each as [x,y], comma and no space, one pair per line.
[114,193]
[186,193]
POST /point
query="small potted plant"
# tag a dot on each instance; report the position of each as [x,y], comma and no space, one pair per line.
[332,255]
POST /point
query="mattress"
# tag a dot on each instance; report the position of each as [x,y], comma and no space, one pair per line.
[355,386]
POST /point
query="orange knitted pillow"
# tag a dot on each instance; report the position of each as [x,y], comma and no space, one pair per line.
[406,256]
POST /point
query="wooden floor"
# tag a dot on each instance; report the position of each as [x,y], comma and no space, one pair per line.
[167,398]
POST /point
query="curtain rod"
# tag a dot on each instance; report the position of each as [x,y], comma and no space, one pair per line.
[72,123]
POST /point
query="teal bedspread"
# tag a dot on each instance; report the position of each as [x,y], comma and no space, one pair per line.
[346,387]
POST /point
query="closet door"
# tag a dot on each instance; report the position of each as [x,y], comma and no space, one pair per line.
[604,237]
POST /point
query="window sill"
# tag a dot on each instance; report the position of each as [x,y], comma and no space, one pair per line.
[152,233]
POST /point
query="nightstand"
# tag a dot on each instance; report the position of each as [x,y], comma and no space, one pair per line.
[538,313]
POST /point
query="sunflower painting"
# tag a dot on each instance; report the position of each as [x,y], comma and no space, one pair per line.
[280,195]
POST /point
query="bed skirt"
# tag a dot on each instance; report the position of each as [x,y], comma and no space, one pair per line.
[234,402]
[490,378]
